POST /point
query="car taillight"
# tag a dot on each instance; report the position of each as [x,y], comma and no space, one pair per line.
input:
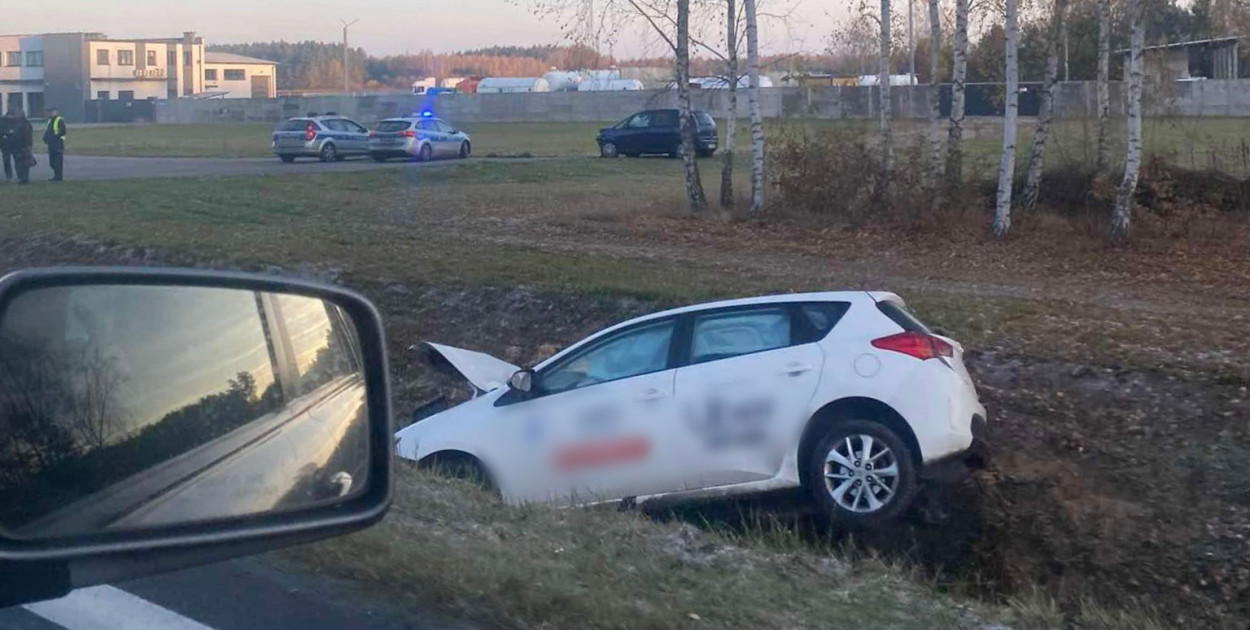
[310,132]
[372,133]
[916,344]
[408,133]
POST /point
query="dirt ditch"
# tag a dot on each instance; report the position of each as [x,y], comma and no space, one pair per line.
[1128,487]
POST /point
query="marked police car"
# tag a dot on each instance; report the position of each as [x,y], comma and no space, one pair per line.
[329,138]
[421,136]
[845,394]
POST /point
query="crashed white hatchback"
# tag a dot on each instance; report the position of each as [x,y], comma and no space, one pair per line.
[845,393]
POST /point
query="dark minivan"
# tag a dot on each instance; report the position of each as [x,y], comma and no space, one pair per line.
[656,131]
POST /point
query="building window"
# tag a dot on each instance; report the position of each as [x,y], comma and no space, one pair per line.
[34,104]
[125,57]
[151,58]
[186,58]
[125,95]
[102,95]
[14,102]
[210,75]
[102,57]
[235,75]
[34,59]
[13,58]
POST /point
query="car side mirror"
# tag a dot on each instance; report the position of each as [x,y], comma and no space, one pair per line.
[154,419]
[522,381]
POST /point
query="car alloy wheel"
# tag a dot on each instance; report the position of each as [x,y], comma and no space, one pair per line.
[464,150]
[608,150]
[329,153]
[861,474]
[424,154]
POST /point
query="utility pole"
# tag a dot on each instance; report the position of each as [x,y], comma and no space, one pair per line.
[346,74]
[911,43]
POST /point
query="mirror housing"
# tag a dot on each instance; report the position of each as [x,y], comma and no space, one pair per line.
[522,381]
[181,506]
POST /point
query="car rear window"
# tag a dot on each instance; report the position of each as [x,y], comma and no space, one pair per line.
[823,316]
[900,316]
[391,126]
[293,125]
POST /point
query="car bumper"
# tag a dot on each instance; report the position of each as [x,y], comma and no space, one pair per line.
[301,150]
[958,466]
[407,147]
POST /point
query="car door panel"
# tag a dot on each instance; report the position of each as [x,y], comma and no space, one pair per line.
[738,412]
[664,133]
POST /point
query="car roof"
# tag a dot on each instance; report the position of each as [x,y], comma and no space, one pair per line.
[783,298]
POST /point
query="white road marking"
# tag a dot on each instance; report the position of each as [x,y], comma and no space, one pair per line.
[109,608]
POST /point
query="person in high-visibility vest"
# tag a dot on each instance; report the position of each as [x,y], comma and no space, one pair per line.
[54,137]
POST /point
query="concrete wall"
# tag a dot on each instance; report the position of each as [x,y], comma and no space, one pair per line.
[1072,100]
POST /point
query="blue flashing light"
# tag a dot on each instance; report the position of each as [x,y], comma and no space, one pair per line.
[427,113]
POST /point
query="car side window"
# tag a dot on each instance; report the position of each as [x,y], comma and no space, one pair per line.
[729,334]
[354,127]
[635,352]
[427,125]
[640,121]
[334,125]
[665,119]
[444,127]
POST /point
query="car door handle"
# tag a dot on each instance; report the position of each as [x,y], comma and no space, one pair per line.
[650,395]
[796,368]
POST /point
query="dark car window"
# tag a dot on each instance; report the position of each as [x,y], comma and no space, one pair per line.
[822,317]
[392,126]
[635,352]
[444,127]
[704,120]
[293,125]
[902,317]
[730,334]
[335,124]
[664,119]
[427,125]
[639,121]
[353,126]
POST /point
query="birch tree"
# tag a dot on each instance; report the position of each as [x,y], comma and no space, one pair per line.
[1104,81]
[689,158]
[1037,156]
[753,100]
[1132,155]
[731,126]
[1007,162]
[935,94]
[883,90]
[959,74]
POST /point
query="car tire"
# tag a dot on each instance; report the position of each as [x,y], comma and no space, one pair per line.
[838,489]
[378,157]
[609,150]
[425,154]
[465,150]
[286,159]
[328,153]
[459,466]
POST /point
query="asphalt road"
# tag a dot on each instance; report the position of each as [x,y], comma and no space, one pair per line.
[245,594]
[83,167]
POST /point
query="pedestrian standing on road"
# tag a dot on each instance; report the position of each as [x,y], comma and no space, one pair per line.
[54,137]
[8,142]
[23,143]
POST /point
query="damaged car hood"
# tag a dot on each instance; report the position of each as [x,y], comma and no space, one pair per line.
[482,370]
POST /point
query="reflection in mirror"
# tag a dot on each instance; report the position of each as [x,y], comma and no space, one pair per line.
[128,407]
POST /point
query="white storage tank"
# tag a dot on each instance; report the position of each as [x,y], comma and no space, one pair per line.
[609,85]
[559,81]
[512,85]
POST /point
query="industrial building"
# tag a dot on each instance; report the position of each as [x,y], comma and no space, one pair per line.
[80,72]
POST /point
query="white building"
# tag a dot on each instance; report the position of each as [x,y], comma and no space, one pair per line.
[70,70]
[227,75]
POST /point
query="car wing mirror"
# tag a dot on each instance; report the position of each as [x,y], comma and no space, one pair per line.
[156,419]
[522,381]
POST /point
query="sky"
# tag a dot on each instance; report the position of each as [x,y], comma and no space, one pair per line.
[385,26]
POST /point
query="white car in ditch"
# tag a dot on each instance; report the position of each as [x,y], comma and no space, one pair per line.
[843,393]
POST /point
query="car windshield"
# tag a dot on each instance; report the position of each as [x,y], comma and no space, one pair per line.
[391,126]
[1057,422]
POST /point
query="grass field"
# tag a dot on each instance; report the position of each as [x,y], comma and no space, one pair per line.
[1133,360]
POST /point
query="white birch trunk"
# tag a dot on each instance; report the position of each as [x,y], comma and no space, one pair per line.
[935,94]
[1104,81]
[883,89]
[1007,162]
[690,165]
[731,125]
[1037,157]
[757,116]
[1132,155]
[959,74]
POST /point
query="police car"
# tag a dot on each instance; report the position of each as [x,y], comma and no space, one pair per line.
[422,136]
[329,138]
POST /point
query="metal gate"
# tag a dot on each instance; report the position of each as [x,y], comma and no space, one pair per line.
[120,111]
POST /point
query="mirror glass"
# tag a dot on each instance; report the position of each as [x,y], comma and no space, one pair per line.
[129,407]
